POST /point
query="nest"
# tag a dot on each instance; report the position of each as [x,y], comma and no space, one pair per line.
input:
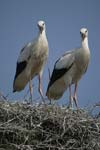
[47,127]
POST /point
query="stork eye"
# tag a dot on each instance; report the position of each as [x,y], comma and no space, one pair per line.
[43,24]
[86,31]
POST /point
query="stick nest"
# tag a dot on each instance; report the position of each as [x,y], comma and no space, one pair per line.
[47,127]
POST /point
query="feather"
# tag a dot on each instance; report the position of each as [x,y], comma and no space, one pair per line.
[19,68]
[58,73]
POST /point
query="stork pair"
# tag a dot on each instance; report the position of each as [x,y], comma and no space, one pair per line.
[68,69]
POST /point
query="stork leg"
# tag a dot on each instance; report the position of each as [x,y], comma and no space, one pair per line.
[40,86]
[75,95]
[70,98]
[31,90]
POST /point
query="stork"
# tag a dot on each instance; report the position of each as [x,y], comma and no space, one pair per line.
[68,70]
[31,61]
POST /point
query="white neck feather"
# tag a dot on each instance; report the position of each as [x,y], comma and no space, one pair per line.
[43,33]
[85,43]
[42,37]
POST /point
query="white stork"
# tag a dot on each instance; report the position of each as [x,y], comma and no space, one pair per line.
[68,70]
[31,61]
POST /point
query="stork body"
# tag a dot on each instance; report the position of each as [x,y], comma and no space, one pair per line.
[68,70]
[31,61]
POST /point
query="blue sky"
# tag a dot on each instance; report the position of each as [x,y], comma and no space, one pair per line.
[63,18]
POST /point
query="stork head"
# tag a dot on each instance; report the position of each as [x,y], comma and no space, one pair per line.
[41,26]
[84,33]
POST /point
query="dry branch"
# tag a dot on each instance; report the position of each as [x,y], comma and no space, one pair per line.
[47,127]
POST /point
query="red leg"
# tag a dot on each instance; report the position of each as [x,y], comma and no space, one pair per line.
[31,90]
[70,98]
[75,95]
[40,86]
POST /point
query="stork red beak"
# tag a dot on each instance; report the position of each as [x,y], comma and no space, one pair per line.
[83,36]
[40,28]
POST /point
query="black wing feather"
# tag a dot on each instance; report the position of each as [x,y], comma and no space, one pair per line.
[20,67]
[58,73]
